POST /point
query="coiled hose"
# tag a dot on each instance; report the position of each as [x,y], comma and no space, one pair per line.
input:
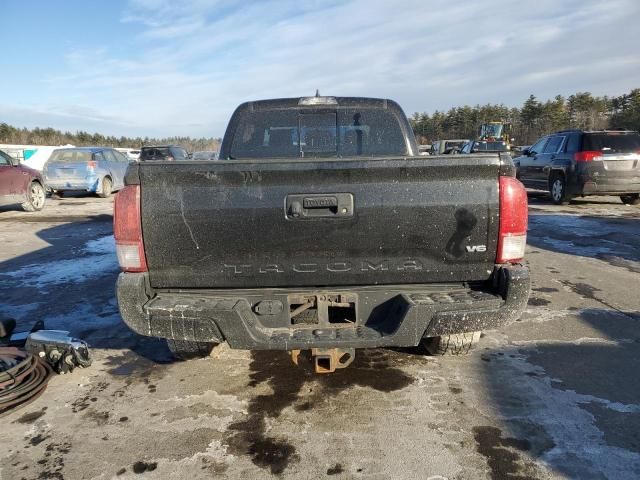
[23,378]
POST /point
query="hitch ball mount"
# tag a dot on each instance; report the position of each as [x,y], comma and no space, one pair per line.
[328,360]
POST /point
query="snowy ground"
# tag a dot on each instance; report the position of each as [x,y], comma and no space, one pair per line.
[556,395]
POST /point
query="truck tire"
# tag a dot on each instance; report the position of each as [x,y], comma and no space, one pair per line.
[631,199]
[107,187]
[558,189]
[187,350]
[35,198]
[454,344]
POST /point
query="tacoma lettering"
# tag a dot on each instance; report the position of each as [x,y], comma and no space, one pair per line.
[333,267]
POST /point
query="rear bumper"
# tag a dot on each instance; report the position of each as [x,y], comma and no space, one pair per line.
[387,316]
[610,187]
[90,184]
[605,183]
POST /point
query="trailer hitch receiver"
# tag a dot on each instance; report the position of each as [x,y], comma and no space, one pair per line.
[328,360]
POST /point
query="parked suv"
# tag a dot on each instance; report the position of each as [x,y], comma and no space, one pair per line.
[88,169]
[165,152]
[20,184]
[573,163]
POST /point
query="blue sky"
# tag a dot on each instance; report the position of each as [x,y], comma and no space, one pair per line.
[161,67]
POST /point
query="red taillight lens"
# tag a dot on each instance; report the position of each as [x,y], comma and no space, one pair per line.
[587,156]
[514,216]
[127,230]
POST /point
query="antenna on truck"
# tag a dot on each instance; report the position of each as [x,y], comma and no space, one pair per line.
[318,100]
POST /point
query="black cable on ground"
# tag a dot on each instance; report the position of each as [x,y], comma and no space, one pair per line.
[23,378]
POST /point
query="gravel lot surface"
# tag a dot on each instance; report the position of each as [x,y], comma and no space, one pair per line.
[555,395]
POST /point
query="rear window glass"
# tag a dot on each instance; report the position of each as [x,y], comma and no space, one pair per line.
[70,156]
[291,133]
[4,159]
[154,153]
[573,144]
[451,145]
[109,156]
[612,142]
[204,155]
[179,153]
[490,147]
[120,157]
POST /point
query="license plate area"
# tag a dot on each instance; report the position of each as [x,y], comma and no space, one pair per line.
[65,171]
[620,165]
[335,310]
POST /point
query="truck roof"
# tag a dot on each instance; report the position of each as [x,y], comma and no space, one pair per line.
[160,146]
[317,101]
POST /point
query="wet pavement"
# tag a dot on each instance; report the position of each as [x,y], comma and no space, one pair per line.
[555,395]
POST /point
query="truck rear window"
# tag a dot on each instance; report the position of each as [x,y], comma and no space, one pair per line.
[339,133]
[612,142]
[452,145]
[490,147]
[154,153]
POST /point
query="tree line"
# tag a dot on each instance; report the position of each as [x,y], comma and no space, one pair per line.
[49,136]
[534,119]
[529,122]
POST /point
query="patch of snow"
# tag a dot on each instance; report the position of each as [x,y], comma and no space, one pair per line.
[592,238]
[211,397]
[542,314]
[567,246]
[102,245]
[64,271]
[578,341]
[89,323]
[578,226]
[580,448]
[216,453]
[100,260]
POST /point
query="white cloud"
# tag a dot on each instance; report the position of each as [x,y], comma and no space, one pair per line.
[193,62]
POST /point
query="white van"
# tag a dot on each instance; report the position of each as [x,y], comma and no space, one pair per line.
[132,153]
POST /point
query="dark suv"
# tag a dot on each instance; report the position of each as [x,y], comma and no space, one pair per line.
[573,163]
[164,152]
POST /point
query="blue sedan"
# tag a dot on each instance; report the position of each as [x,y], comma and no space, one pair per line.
[91,169]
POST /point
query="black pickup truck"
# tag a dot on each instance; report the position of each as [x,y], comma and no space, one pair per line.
[322,229]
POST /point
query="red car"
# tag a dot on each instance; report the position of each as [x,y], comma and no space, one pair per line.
[20,184]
